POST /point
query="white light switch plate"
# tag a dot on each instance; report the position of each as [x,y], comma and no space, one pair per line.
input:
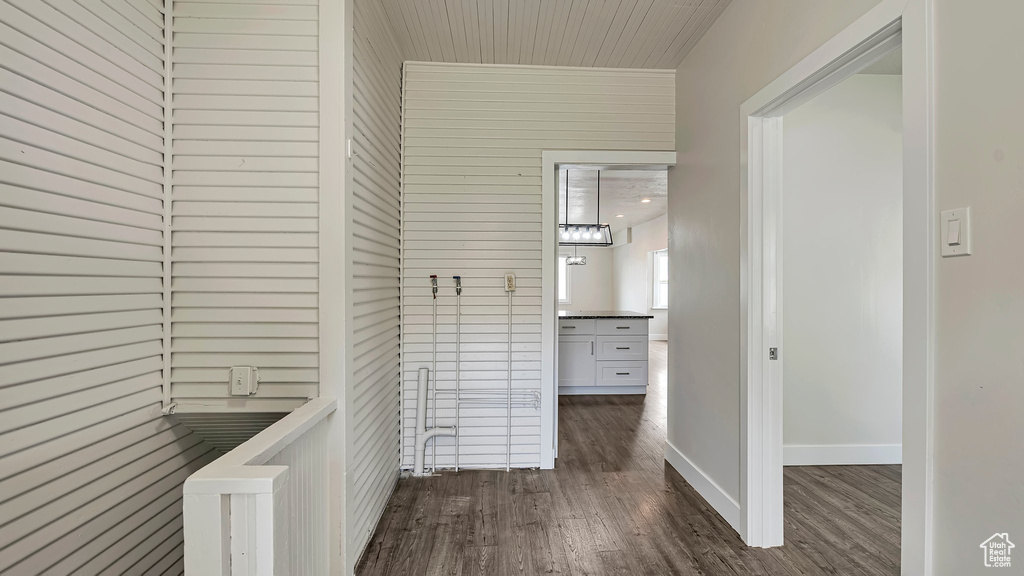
[245,380]
[955,232]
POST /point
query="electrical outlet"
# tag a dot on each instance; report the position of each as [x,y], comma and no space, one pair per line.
[245,380]
[510,282]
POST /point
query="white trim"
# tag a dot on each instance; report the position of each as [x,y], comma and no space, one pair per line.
[335,81]
[168,407]
[657,337]
[841,454]
[550,159]
[879,30]
[601,390]
[719,499]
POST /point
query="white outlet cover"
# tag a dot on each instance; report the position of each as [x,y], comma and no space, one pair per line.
[955,232]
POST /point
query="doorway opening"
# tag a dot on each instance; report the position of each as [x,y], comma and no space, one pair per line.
[888,26]
[599,296]
[841,314]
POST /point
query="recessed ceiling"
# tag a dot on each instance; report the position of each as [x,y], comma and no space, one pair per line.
[603,33]
[622,192]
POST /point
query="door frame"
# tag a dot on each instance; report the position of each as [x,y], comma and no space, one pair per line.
[889,24]
[550,161]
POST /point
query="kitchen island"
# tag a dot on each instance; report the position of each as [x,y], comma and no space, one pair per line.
[602,352]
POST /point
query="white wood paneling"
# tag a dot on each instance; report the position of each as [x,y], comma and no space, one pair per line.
[603,33]
[90,470]
[375,251]
[472,206]
[244,244]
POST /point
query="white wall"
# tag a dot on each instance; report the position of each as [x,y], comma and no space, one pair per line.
[979,372]
[372,368]
[90,469]
[632,273]
[748,47]
[244,247]
[843,275]
[473,137]
[980,307]
[591,286]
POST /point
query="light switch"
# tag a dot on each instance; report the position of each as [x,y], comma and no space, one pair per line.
[955,232]
[245,380]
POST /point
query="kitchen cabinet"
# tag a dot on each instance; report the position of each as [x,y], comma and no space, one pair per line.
[602,353]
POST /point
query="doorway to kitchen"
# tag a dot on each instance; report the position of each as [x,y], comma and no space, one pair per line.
[604,313]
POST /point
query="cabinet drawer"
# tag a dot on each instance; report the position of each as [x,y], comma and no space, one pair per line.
[622,347]
[569,326]
[618,327]
[612,373]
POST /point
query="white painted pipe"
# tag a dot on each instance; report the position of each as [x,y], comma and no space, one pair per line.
[508,436]
[458,362]
[422,434]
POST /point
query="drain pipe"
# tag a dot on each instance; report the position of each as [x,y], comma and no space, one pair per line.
[423,435]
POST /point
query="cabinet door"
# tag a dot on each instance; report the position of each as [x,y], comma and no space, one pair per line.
[576,361]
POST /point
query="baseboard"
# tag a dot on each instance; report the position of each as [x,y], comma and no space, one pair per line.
[722,503]
[841,454]
[658,337]
[600,390]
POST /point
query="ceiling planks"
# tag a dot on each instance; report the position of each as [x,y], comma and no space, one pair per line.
[601,33]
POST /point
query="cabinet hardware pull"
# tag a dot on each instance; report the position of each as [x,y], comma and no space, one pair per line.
[591,347]
[622,347]
[568,326]
[622,373]
[622,327]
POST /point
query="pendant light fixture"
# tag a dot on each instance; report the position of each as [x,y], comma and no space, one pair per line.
[584,234]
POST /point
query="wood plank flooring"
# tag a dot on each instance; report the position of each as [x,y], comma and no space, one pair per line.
[613,506]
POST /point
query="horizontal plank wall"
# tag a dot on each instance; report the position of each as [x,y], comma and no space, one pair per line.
[245,185]
[90,469]
[375,223]
[472,206]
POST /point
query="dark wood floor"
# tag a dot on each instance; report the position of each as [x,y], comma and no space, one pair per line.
[613,506]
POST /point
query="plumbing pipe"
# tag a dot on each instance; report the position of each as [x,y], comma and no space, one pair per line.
[433,370]
[458,361]
[423,435]
[508,436]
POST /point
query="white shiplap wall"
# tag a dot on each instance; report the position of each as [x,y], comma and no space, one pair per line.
[374,225]
[245,186]
[473,137]
[90,470]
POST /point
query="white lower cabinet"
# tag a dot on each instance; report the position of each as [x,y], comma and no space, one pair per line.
[621,373]
[576,360]
[606,356]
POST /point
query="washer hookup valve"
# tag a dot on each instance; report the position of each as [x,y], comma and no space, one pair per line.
[433,285]
[458,285]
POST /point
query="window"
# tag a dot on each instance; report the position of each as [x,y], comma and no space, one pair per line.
[659,279]
[563,279]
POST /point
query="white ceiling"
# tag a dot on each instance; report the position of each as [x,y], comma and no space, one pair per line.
[603,33]
[621,193]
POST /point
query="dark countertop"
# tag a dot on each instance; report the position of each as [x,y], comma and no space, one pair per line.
[589,314]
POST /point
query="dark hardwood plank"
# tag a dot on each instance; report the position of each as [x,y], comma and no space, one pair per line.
[613,506]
